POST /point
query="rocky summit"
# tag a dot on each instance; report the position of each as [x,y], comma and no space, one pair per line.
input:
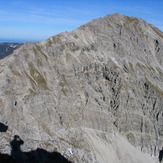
[95,94]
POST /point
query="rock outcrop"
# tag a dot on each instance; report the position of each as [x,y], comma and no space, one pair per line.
[93,94]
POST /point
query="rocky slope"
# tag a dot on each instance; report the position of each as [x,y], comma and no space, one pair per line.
[93,94]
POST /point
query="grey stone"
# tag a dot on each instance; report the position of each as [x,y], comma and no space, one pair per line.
[86,86]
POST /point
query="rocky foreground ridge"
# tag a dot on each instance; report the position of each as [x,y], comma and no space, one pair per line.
[94,94]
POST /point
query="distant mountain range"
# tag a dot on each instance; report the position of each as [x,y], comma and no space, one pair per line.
[7,48]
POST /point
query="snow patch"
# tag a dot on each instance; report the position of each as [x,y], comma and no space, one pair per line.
[70,151]
[115,61]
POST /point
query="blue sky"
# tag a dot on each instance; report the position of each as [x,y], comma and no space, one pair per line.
[35,20]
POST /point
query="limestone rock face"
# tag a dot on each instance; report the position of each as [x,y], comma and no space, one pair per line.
[94,94]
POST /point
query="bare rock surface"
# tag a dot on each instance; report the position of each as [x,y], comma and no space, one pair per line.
[93,94]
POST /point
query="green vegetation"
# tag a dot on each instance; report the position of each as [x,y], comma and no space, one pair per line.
[32,92]
[38,78]
[31,81]
[134,22]
[131,66]
[37,49]
[157,89]
[45,128]
[49,43]
[156,30]
[39,62]
[26,55]
[63,83]
[56,39]
[131,138]
[159,70]
[145,67]
[131,19]
[12,67]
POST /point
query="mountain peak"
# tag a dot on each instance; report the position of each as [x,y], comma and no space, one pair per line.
[115,20]
[97,91]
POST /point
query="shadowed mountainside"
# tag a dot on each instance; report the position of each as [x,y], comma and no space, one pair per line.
[37,156]
[7,48]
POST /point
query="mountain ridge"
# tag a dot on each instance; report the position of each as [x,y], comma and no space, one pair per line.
[100,80]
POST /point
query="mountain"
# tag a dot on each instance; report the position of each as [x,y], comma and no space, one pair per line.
[94,94]
[7,48]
